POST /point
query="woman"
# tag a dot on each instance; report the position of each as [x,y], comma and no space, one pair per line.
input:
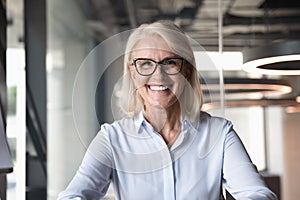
[164,147]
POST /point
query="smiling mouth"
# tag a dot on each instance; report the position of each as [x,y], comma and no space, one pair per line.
[157,87]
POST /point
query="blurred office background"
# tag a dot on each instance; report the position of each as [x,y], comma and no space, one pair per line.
[60,74]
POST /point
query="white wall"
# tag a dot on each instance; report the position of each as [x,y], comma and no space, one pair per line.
[67,47]
[248,123]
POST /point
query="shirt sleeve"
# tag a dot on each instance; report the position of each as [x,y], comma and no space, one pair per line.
[93,177]
[240,175]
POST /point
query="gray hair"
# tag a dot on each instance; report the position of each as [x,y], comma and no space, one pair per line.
[129,101]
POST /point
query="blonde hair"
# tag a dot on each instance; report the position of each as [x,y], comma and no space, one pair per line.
[129,101]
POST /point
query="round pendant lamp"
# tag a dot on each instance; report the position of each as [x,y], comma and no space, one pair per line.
[282,58]
[290,104]
[246,88]
[246,92]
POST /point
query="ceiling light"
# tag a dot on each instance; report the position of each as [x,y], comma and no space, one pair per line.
[282,58]
[289,103]
[292,109]
[298,99]
[245,88]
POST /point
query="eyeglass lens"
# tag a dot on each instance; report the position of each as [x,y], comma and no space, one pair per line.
[146,67]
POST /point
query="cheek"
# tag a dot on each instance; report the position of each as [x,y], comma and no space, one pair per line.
[138,80]
[180,86]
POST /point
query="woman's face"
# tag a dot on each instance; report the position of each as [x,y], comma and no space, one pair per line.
[159,88]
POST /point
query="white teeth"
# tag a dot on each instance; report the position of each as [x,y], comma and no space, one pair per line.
[158,88]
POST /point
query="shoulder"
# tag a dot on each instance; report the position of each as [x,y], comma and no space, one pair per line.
[212,133]
[208,120]
[111,133]
[120,129]
[117,125]
[215,127]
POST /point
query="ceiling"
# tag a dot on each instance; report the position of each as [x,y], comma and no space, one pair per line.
[245,23]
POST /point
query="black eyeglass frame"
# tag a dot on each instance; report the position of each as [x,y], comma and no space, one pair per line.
[161,63]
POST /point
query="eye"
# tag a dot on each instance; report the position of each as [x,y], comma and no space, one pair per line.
[170,62]
[173,62]
[144,63]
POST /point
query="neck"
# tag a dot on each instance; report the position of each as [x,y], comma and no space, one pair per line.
[167,122]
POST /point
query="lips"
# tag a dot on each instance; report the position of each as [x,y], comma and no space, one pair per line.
[157,87]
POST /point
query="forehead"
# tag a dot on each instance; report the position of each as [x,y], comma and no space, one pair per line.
[153,46]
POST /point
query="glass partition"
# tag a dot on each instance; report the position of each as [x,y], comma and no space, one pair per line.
[81,78]
[79,74]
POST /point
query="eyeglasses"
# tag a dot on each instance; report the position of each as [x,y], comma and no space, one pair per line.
[147,66]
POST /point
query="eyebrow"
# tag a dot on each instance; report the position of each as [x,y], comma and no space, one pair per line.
[169,57]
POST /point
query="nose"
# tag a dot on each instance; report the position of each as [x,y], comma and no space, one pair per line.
[159,72]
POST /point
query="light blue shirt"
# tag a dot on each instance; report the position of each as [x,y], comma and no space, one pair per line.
[132,155]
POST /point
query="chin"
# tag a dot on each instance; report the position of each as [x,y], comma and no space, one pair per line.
[164,105]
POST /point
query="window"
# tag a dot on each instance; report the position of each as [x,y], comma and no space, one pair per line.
[16,131]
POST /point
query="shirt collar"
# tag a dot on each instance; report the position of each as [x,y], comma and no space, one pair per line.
[187,122]
[140,121]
